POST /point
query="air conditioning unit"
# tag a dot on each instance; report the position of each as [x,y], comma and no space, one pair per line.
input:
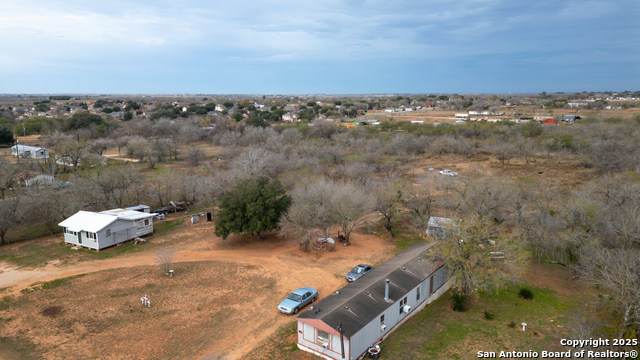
[383,327]
[406,308]
[325,345]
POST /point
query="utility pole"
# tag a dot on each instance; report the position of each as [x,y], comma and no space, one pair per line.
[24,131]
[341,331]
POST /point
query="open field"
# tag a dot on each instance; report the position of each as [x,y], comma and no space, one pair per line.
[221,303]
[438,332]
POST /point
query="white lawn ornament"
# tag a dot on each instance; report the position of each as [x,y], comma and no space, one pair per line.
[523,326]
[148,303]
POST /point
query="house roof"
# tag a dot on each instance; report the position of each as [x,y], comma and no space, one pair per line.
[128,214]
[88,221]
[94,222]
[362,301]
[439,221]
[27,148]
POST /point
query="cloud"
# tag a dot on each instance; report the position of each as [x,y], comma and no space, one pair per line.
[131,37]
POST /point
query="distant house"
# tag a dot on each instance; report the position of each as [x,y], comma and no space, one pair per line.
[372,307]
[220,108]
[90,160]
[30,151]
[290,117]
[292,107]
[31,179]
[421,122]
[107,228]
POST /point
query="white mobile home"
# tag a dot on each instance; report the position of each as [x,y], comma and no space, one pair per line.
[108,228]
[30,151]
[373,306]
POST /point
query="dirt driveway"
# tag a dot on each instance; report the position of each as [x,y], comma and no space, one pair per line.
[248,316]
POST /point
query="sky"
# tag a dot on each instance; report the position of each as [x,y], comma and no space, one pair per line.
[319,47]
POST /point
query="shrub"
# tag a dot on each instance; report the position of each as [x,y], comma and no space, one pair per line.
[525,293]
[460,302]
[489,315]
[512,324]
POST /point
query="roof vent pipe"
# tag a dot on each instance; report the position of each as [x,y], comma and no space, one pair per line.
[386,290]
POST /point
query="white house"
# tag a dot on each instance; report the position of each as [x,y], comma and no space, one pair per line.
[220,107]
[290,117]
[373,306]
[30,151]
[107,228]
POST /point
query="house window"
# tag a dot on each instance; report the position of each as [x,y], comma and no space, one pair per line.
[418,293]
[108,232]
[403,302]
[146,222]
[323,338]
[382,320]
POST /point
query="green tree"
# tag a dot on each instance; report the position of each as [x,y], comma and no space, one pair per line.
[252,206]
[81,120]
[127,116]
[6,136]
[479,255]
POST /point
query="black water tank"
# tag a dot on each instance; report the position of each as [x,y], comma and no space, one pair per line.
[208,216]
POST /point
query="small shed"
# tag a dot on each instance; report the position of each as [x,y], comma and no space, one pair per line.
[107,228]
[438,225]
[140,208]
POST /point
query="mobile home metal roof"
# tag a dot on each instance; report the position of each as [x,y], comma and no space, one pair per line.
[94,222]
[363,300]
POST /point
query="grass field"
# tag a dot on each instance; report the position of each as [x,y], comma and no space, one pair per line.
[440,333]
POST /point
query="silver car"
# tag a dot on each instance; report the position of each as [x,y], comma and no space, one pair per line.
[358,271]
[297,300]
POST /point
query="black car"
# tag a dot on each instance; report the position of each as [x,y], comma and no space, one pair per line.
[358,272]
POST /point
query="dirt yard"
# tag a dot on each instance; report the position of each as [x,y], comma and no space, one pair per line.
[221,303]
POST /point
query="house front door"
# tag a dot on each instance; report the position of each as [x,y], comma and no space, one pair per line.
[79,237]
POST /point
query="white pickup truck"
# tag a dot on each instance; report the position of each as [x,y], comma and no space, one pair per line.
[448,173]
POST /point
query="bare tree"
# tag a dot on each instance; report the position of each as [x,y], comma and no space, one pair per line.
[99,146]
[165,258]
[389,202]
[310,212]
[420,200]
[12,213]
[615,271]
[195,156]
[349,205]
[71,153]
[503,151]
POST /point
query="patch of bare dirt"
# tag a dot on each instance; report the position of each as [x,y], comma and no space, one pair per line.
[246,315]
[556,277]
[52,311]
